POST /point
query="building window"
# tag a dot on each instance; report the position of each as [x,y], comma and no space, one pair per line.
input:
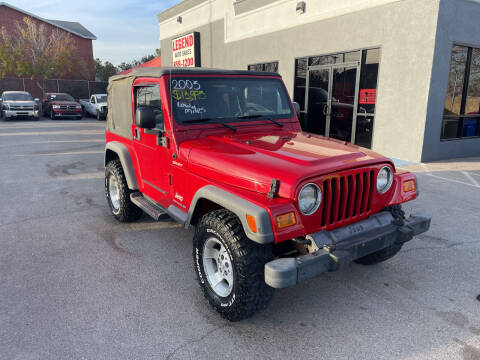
[299,85]
[271,66]
[330,81]
[461,115]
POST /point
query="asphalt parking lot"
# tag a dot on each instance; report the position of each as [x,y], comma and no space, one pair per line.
[76,284]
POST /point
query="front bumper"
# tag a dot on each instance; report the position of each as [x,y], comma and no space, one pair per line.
[69,112]
[21,113]
[337,247]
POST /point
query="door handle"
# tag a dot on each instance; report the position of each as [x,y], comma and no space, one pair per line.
[137,134]
[325,110]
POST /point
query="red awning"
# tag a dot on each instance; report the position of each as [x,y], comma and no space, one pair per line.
[157,62]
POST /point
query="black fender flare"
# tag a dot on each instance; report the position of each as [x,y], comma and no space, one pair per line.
[125,159]
[240,207]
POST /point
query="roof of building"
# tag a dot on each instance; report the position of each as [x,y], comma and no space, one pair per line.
[72,27]
[156,62]
[159,71]
[75,28]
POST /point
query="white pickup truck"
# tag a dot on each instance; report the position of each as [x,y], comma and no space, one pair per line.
[96,106]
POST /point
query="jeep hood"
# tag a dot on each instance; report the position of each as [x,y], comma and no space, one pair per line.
[251,161]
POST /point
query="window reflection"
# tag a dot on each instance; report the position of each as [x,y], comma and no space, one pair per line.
[462,100]
[458,63]
[299,85]
[271,66]
[473,92]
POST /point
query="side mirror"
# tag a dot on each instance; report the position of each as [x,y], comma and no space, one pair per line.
[296,106]
[36,99]
[145,118]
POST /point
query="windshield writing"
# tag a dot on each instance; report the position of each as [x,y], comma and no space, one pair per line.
[224,99]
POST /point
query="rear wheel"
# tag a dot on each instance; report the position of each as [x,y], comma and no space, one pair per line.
[118,193]
[230,266]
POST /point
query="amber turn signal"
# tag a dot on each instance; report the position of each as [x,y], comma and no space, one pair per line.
[252,224]
[285,220]
[409,185]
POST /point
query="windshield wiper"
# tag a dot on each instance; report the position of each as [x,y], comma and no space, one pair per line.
[209,119]
[262,118]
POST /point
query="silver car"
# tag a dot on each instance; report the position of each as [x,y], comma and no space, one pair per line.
[16,104]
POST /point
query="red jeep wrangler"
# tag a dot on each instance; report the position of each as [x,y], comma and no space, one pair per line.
[272,205]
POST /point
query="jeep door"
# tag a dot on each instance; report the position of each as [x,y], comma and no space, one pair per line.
[152,155]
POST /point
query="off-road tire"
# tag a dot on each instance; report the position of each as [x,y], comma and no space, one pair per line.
[250,293]
[127,210]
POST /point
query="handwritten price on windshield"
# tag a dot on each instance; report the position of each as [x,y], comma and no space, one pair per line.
[189,95]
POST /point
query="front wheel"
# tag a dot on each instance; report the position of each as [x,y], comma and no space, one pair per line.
[52,115]
[230,267]
[118,193]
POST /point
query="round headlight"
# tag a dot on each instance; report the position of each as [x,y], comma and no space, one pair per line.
[309,199]
[384,179]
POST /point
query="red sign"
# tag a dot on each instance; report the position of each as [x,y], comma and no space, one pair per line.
[367,96]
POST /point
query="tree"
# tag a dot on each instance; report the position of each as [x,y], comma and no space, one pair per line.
[125,66]
[104,71]
[33,51]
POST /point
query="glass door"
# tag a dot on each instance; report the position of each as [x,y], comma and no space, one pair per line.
[316,100]
[331,100]
[343,103]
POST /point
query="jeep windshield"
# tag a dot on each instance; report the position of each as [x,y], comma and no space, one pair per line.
[227,99]
[17,97]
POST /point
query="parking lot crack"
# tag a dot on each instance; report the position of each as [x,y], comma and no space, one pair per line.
[195,341]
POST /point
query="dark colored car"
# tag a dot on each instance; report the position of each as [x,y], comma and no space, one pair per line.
[56,105]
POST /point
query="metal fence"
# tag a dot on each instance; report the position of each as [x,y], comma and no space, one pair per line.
[79,89]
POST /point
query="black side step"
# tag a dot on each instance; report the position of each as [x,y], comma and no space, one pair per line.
[149,206]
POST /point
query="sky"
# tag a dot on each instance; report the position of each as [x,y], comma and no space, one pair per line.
[125,29]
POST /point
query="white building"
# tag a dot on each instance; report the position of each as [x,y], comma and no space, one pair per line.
[399,76]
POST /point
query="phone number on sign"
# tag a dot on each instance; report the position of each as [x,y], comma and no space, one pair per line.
[184,62]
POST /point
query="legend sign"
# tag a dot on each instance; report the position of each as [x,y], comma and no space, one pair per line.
[186,50]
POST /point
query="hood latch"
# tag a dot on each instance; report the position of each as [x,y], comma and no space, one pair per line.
[274,187]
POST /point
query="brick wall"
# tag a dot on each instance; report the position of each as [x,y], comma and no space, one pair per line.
[8,18]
